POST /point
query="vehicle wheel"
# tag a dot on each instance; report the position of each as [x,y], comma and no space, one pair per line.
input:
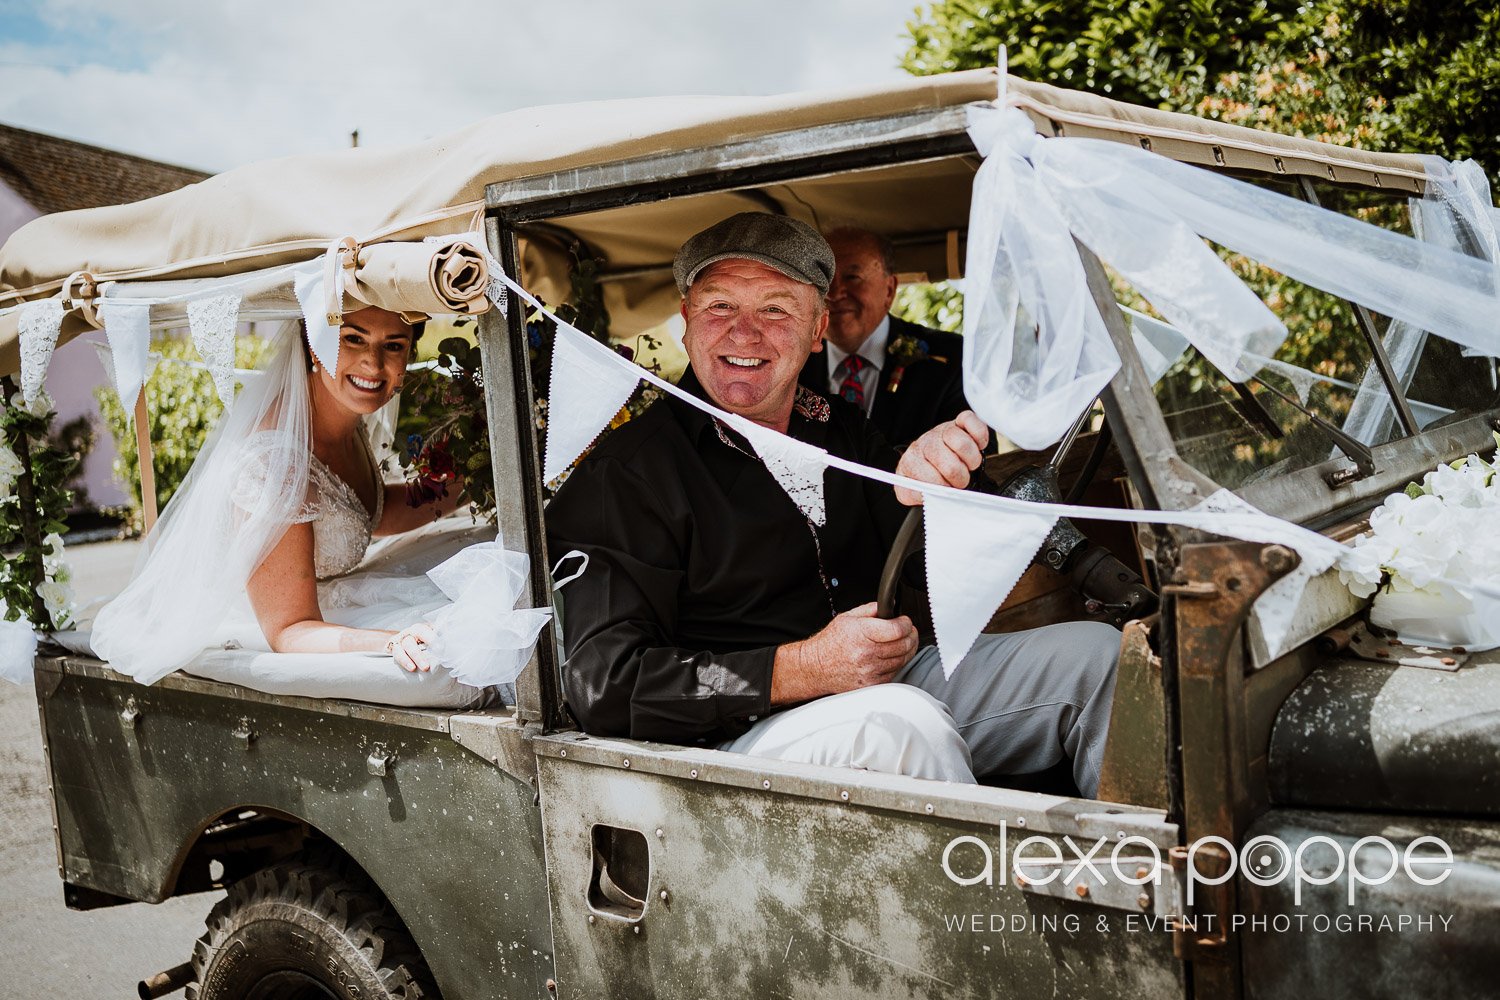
[304,930]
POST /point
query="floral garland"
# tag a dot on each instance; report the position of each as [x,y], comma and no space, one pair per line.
[34,578]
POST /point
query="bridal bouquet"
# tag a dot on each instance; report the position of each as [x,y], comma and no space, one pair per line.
[1442,529]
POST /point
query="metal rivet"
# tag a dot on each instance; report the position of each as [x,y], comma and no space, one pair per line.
[664,895]
[458,738]
[659,832]
[562,753]
[627,761]
[693,773]
[1020,821]
[591,918]
[766,783]
[1082,890]
[844,794]
[928,808]
[1144,901]
[636,929]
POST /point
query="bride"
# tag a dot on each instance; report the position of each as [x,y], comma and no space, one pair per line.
[281,503]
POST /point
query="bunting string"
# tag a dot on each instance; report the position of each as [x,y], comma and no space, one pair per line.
[980,537]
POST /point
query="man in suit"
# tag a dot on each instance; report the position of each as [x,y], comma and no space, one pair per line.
[907,378]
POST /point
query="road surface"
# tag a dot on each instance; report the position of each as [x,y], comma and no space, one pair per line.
[47,950]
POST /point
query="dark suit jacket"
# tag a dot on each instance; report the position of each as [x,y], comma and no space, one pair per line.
[930,392]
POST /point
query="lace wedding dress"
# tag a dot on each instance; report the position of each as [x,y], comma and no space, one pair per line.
[187,605]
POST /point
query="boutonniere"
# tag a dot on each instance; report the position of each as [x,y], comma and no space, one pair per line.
[904,350]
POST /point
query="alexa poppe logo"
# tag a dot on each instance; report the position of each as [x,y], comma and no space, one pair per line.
[1039,862]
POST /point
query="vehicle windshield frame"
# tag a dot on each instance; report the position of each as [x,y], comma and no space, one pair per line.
[534,205]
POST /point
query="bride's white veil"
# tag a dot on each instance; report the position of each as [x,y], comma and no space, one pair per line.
[249,483]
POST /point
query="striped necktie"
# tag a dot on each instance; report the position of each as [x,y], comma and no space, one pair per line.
[846,377]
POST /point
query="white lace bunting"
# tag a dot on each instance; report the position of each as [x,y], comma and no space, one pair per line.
[797,465]
[975,555]
[127,327]
[587,390]
[40,324]
[212,322]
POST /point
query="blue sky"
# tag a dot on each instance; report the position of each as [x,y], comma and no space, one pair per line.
[216,84]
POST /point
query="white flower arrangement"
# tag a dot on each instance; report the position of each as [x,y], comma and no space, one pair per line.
[1443,529]
[10,468]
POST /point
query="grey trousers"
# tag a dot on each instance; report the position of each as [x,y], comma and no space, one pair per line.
[1020,702]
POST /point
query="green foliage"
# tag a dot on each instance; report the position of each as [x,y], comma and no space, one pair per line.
[937,306]
[443,417]
[181,405]
[1415,76]
[34,474]
[1429,70]
[1141,52]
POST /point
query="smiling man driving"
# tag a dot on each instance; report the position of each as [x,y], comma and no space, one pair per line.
[714,612]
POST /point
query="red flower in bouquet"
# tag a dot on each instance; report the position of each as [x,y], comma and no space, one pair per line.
[430,473]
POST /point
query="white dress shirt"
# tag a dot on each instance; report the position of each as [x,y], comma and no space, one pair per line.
[873,351]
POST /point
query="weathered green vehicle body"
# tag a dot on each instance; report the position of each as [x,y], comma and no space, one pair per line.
[529,860]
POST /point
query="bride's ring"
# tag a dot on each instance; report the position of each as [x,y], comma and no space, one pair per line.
[395,640]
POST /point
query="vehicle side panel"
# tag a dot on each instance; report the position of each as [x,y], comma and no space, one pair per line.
[1399,939]
[454,842]
[765,893]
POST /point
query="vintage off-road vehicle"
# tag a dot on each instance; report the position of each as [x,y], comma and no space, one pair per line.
[370,850]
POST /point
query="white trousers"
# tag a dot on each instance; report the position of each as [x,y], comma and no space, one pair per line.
[1019,703]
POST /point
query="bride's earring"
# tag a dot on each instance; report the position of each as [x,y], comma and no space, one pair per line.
[315,367]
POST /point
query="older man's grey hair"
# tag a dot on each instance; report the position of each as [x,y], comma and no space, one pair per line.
[883,247]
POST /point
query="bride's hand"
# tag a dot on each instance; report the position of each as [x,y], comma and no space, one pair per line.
[409,647]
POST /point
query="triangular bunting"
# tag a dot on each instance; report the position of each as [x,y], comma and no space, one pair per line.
[589,385]
[322,339]
[40,324]
[975,555]
[797,465]
[127,327]
[212,322]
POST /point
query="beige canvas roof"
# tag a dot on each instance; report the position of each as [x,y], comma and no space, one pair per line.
[285,210]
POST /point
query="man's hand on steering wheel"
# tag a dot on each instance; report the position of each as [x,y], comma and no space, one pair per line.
[945,455]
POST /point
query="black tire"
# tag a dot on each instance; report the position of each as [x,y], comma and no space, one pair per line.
[307,930]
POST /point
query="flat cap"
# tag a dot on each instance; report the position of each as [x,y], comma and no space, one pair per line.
[794,248]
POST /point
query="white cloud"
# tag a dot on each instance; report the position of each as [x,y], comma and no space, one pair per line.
[216,85]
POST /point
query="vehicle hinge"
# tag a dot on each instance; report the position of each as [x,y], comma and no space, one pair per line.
[500,741]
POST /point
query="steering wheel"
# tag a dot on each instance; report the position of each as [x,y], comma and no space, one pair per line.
[1111,590]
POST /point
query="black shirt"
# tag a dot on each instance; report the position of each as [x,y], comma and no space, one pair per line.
[700,565]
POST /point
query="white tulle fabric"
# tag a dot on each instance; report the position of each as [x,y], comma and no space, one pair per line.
[1035,350]
[250,481]
[1038,351]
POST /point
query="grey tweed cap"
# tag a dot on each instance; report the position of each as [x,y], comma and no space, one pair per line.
[794,248]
